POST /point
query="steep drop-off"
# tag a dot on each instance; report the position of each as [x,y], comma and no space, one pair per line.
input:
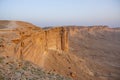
[82,53]
[26,41]
[47,48]
[100,47]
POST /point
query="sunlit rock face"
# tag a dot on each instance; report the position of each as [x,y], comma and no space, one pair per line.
[26,41]
[57,38]
[79,52]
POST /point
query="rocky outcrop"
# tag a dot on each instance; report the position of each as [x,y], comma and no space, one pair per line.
[57,38]
[30,42]
[14,69]
[96,49]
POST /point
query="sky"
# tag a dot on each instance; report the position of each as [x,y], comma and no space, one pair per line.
[62,12]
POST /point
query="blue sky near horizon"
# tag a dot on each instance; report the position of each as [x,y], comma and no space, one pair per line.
[62,12]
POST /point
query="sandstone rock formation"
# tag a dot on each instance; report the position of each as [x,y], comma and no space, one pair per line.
[30,42]
[82,53]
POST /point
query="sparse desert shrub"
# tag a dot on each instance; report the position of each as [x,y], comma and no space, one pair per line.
[27,71]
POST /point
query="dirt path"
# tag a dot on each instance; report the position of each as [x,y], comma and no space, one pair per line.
[12,24]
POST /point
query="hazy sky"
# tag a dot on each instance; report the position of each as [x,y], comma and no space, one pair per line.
[62,12]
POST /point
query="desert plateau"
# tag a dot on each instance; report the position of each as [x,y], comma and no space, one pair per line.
[28,52]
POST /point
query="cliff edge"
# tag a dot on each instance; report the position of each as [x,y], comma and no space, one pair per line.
[79,52]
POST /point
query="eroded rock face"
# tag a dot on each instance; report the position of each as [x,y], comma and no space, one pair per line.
[93,52]
[99,46]
[57,38]
[29,42]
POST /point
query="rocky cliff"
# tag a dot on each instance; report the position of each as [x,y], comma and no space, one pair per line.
[99,46]
[47,48]
[92,53]
[29,42]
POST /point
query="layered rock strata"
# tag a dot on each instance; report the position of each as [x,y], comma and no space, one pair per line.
[26,41]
